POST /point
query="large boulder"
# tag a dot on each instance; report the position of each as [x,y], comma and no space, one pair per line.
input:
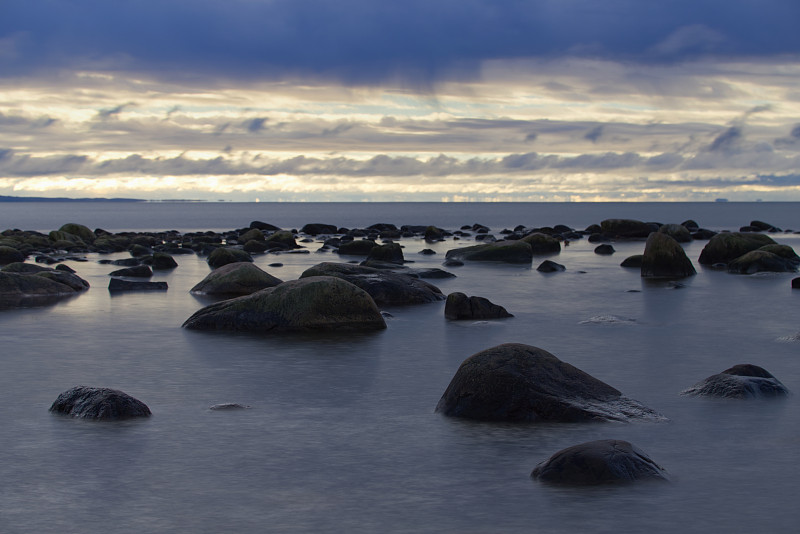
[390,253]
[357,247]
[161,261]
[319,228]
[739,382]
[665,258]
[542,243]
[461,307]
[311,304]
[727,246]
[10,255]
[501,251]
[21,285]
[238,278]
[387,288]
[516,382]
[676,231]
[605,461]
[281,239]
[83,232]
[102,404]
[225,255]
[769,258]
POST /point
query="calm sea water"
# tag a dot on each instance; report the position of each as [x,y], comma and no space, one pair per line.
[342,436]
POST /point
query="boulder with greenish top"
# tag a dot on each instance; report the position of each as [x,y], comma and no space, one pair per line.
[727,246]
[665,258]
[542,243]
[281,239]
[676,231]
[321,303]
[357,247]
[225,255]
[238,278]
[522,383]
[24,284]
[84,233]
[763,260]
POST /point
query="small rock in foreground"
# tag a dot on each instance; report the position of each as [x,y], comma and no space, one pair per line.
[739,382]
[103,404]
[460,307]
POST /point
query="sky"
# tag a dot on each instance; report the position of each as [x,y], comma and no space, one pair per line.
[420,100]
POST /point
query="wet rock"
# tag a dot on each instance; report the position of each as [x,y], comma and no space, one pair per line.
[140,271]
[461,307]
[225,255]
[665,258]
[118,284]
[516,382]
[264,226]
[24,284]
[432,234]
[79,230]
[253,234]
[702,234]
[796,283]
[282,239]
[238,278]
[319,228]
[500,251]
[10,255]
[390,253]
[765,259]
[604,250]
[678,232]
[386,287]
[358,247]
[453,263]
[229,406]
[542,243]
[691,225]
[102,404]
[634,261]
[606,461]
[162,262]
[427,252]
[255,246]
[739,382]
[727,246]
[548,266]
[764,227]
[626,228]
[310,304]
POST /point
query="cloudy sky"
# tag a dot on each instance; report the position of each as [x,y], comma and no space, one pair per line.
[530,100]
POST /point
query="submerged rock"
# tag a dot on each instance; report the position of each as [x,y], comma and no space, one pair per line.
[605,461]
[500,251]
[103,404]
[516,382]
[117,284]
[316,303]
[665,258]
[634,261]
[384,286]
[238,278]
[548,266]
[739,382]
[139,271]
[460,307]
[604,250]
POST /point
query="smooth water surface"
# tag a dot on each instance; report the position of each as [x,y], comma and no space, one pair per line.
[342,436]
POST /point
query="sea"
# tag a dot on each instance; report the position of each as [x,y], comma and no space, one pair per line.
[341,434]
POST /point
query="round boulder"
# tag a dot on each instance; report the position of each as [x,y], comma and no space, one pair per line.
[317,303]
[727,246]
[225,255]
[665,258]
[522,383]
[739,382]
[605,461]
[102,404]
[238,278]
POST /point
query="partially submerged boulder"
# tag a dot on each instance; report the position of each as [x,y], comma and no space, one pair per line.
[517,251]
[24,284]
[739,382]
[235,279]
[665,258]
[605,461]
[118,284]
[225,255]
[387,288]
[548,266]
[461,307]
[625,228]
[769,258]
[542,243]
[102,404]
[727,246]
[310,304]
[522,383]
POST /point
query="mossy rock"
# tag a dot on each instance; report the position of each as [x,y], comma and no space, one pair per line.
[727,246]
[10,255]
[761,260]
[112,243]
[282,239]
[320,303]
[225,255]
[676,231]
[542,243]
[58,236]
[238,278]
[163,262]
[251,234]
[390,253]
[665,258]
[83,232]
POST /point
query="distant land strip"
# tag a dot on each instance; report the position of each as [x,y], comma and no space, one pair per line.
[65,199]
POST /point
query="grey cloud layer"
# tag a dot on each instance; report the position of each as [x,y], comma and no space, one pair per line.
[364,41]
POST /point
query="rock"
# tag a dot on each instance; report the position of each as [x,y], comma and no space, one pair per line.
[500,251]
[140,271]
[255,247]
[548,266]
[625,228]
[264,226]
[387,288]
[139,251]
[229,406]
[238,278]
[29,285]
[310,304]
[453,263]
[103,404]
[427,252]
[762,260]
[727,246]
[691,225]
[118,284]
[634,261]
[10,255]
[225,255]
[678,232]
[703,234]
[739,382]
[795,283]
[253,234]
[764,227]
[542,243]
[460,307]
[604,250]
[665,258]
[516,382]
[391,253]
[281,239]
[432,233]
[319,228]
[163,262]
[357,247]
[79,230]
[605,461]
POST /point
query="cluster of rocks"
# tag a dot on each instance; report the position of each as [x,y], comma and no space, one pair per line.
[24,284]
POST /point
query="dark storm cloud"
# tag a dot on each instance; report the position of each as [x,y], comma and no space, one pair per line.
[364,41]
